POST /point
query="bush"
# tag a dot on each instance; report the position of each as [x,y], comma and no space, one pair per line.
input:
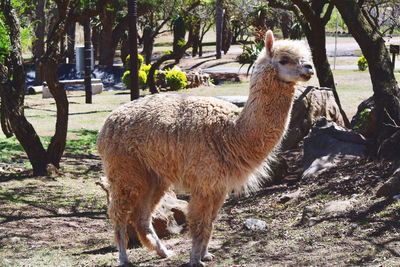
[128,61]
[146,69]
[362,63]
[176,79]
[126,79]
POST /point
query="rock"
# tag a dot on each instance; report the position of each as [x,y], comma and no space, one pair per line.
[364,122]
[289,196]
[238,100]
[168,218]
[391,187]
[390,147]
[255,224]
[336,207]
[310,103]
[327,144]
[307,217]
[197,78]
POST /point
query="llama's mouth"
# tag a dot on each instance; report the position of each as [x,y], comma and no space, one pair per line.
[306,76]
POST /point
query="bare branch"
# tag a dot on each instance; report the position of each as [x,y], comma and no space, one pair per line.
[394,125]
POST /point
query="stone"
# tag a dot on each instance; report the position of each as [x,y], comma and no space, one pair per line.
[391,187]
[238,100]
[307,217]
[255,224]
[327,144]
[97,88]
[390,147]
[46,92]
[310,103]
[289,196]
[364,121]
[336,207]
[33,90]
[169,218]
[197,78]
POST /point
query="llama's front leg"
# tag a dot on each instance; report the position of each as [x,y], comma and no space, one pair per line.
[123,258]
[202,212]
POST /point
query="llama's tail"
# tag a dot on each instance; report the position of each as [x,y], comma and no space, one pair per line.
[103,183]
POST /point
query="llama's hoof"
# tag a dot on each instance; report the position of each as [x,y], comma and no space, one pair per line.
[126,264]
[208,257]
[166,253]
[197,264]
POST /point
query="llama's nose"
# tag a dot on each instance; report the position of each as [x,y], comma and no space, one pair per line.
[309,68]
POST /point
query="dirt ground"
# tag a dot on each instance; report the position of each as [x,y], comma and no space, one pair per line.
[61,220]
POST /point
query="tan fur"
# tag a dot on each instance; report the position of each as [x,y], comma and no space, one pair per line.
[196,143]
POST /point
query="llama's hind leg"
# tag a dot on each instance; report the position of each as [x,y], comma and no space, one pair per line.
[141,218]
[203,210]
[119,216]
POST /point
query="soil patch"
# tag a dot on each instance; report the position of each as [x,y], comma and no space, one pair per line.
[62,220]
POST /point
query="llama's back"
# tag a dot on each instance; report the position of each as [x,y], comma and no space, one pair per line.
[174,135]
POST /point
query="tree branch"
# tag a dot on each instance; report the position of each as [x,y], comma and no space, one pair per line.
[328,14]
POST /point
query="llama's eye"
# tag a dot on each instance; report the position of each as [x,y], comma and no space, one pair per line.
[283,62]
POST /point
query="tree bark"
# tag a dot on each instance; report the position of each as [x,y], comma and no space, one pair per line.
[148,43]
[226,33]
[385,87]
[38,43]
[219,14]
[13,92]
[71,43]
[107,50]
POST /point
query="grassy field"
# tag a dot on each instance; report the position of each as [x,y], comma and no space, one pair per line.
[353,87]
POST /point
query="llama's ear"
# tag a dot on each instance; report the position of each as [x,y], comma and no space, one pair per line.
[269,42]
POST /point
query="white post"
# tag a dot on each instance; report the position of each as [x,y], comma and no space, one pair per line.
[336,36]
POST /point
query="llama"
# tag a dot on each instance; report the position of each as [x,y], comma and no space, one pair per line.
[203,145]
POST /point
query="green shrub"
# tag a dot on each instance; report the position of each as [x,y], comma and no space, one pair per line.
[362,63]
[146,69]
[362,118]
[176,79]
[128,61]
[126,79]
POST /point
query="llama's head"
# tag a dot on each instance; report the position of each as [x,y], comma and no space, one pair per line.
[290,58]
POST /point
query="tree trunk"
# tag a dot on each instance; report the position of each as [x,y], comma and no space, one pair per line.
[219,14]
[177,55]
[196,37]
[71,43]
[313,20]
[148,43]
[106,47]
[38,43]
[226,33]
[179,35]
[386,90]
[286,22]
[13,93]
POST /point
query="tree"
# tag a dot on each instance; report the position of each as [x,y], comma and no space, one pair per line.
[12,85]
[313,16]
[382,14]
[38,45]
[219,17]
[384,84]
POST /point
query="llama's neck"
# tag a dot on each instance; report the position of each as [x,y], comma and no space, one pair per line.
[263,120]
